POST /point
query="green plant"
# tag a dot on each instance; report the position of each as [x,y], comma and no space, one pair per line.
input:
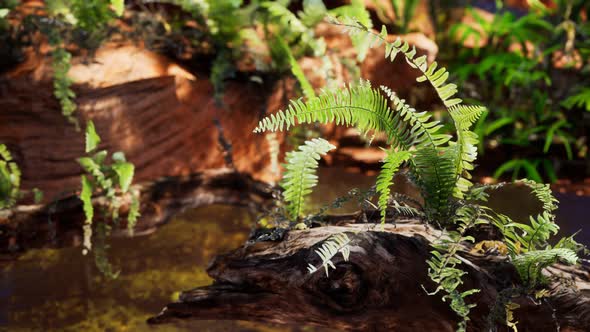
[299,177]
[512,63]
[88,18]
[9,179]
[113,181]
[338,243]
[438,164]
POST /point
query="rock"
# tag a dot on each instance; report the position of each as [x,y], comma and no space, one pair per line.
[143,104]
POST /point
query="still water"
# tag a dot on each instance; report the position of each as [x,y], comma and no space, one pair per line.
[61,290]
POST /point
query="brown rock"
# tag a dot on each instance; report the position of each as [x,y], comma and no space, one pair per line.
[160,115]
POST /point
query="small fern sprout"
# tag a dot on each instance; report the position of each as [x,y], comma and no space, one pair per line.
[300,177]
[338,243]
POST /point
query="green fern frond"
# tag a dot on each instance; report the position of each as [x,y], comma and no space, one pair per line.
[306,87]
[391,165]
[365,108]
[9,179]
[338,243]
[443,263]
[534,235]
[530,265]
[436,177]
[427,132]
[464,116]
[581,99]
[543,193]
[435,75]
[300,175]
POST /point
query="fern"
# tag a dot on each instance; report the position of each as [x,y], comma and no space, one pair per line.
[113,181]
[391,165]
[360,106]
[299,175]
[443,263]
[529,265]
[338,243]
[463,116]
[9,179]
[581,99]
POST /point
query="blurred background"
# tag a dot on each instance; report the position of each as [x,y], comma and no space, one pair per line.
[173,90]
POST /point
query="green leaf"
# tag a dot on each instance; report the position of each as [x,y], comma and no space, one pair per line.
[119,157]
[92,138]
[86,197]
[300,177]
[125,172]
[118,6]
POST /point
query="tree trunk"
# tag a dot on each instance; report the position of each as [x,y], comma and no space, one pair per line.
[379,288]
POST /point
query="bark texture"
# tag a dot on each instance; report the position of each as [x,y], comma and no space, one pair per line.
[378,289]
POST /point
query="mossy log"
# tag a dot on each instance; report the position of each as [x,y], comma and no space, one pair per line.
[381,287]
[59,223]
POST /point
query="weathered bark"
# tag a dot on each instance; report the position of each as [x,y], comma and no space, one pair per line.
[379,288]
[60,223]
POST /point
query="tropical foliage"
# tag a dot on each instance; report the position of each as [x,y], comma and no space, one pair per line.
[531,70]
[437,163]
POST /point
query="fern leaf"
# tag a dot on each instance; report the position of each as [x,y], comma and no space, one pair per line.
[435,169]
[10,176]
[531,264]
[437,76]
[92,138]
[338,243]
[543,193]
[464,116]
[360,106]
[391,165]
[300,175]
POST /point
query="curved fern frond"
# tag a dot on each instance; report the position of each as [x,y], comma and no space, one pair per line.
[338,243]
[534,235]
[391,165]
[435,75]
[300,175]
[543,193]
[531,264]
[463,116]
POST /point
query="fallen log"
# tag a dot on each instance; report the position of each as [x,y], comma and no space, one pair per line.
[59,224]
[381,287]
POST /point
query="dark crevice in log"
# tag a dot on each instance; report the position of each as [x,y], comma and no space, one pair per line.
[57,223]
[379,289]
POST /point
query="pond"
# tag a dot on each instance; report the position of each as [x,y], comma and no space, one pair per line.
[59,289]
